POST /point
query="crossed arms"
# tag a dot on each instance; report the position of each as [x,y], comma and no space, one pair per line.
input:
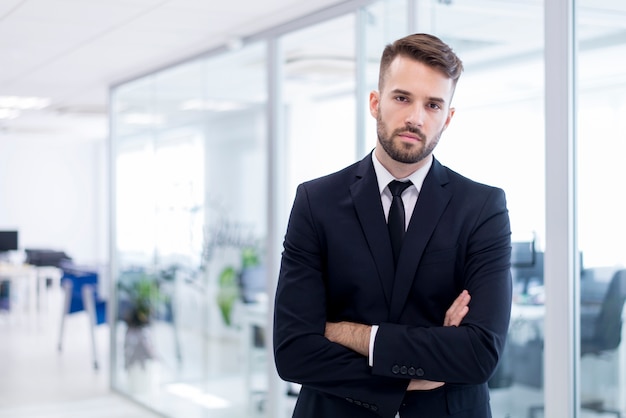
[357,336]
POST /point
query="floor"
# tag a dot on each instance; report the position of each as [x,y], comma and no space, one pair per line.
[38,381]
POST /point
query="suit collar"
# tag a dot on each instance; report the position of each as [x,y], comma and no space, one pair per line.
[369,209]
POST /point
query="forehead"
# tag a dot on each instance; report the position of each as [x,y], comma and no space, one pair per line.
[407,74]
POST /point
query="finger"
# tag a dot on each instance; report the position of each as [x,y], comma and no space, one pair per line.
[455,318]
[459,303]
[423,385]
[458,310]
[461,300]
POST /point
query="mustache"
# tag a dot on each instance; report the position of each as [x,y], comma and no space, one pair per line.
[411,129]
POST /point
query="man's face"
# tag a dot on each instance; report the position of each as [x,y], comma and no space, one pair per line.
[411,110]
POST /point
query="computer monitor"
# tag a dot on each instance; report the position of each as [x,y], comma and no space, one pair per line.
[526,266]
[8,241]
[530,272]
[523,254]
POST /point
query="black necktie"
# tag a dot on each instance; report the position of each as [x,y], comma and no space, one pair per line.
[395,221]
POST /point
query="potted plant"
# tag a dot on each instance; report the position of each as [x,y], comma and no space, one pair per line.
[244,283]
[139,299]
[228,293]
[252,276]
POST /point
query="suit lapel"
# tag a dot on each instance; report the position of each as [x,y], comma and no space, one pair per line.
[431,203]
[369,209]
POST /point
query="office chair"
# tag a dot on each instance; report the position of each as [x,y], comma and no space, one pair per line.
[607,326]
[601,333]
[606,334]
[81,294]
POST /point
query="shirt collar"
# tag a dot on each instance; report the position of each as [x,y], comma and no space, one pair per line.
[384,177]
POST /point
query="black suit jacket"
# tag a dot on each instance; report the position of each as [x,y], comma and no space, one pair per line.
[337,265]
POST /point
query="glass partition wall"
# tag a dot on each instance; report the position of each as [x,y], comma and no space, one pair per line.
[195,247]
[190,169]
[601,227]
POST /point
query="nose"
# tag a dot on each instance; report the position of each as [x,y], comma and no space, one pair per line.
[415,116]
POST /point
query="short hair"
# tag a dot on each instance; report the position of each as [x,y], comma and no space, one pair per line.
[425,48]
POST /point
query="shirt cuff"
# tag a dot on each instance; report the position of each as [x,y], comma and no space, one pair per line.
[370,357]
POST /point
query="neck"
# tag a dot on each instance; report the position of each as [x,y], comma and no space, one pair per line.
[398,169]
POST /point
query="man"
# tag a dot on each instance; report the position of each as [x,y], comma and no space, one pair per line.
[369,337]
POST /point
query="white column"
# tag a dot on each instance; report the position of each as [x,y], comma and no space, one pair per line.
[561,271]
[277,389]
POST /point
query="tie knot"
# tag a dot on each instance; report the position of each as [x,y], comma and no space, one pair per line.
[398,187]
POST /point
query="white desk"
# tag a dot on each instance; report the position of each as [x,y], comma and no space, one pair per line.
[22,279]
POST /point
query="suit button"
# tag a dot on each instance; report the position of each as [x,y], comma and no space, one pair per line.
[350,400]
[357,403]
[366,406]
[403,370]
[374,408]
[419,372]
[395,369]
[412,371]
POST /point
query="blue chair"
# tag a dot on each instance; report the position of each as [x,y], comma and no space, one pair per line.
[80,288]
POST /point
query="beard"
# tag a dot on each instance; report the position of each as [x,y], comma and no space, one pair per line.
[405,153]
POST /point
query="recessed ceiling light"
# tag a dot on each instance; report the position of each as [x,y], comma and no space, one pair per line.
[214,105]
[9,113]
[24,103]
[143,119]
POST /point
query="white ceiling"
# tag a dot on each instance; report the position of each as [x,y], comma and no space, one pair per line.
[71,51]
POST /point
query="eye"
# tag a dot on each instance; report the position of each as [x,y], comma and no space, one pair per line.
[434,106]
[401,99]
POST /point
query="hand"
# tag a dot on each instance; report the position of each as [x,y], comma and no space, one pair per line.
[454,315]
[457,311]
[418,384]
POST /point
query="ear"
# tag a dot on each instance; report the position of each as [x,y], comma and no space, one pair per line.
[449,118]
[374,102]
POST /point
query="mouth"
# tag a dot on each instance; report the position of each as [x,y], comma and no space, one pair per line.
[410,136]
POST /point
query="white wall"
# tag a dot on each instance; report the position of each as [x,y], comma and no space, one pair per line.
[55,193]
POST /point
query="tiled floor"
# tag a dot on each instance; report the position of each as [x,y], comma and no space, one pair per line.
[38,381]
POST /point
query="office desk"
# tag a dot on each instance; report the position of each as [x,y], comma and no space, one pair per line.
[22,280]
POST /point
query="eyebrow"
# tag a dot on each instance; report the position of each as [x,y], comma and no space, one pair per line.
[407,93]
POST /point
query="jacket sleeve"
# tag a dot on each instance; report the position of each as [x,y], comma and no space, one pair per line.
[302,353]
[467,354]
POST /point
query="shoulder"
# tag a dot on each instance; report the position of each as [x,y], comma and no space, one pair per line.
[339,180]
[454,180]
[466,192]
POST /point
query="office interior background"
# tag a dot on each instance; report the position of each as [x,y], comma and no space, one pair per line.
[176,132]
